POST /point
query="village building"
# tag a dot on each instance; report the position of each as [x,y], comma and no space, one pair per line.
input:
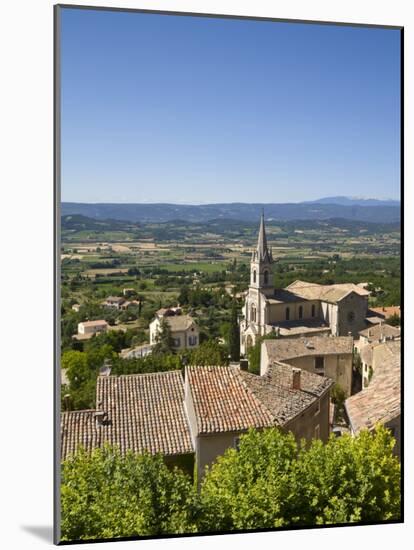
[301,309]
[139,413]
[129,292]
[222,403]
[76,307]
[379,333]
[130,303]
[114,302]
[369,339]
[137,352]
[386,312]
[184,329]
[328,356]
[197,417]
[380,401]
[87,329]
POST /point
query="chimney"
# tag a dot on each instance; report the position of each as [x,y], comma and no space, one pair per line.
[66,402]
[296,378]
[99,417]
[244,364]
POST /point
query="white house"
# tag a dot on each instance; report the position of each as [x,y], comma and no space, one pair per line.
[89,328]
[184,330]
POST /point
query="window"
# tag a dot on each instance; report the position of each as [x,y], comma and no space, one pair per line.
[313,310]
[266,277]
[300,312]
[253,313]
[317,432]
[319,365]
[176,342]
[192,340]
[237,442]
[317,408]
[287,314]
[351,317]
[254,275]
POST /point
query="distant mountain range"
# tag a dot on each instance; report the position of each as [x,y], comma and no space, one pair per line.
[355,201]
[368,210]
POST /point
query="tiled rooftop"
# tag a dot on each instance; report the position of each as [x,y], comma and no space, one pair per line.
[386,311]
[144,412]
[282,349]
[275,391]
[228,399]
[222,402]
[78,428]
[326,293]
[380,402]
[98,323]
[180,322]
[380,331]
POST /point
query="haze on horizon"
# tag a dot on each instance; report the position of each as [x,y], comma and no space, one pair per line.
[187,110]
[205,203]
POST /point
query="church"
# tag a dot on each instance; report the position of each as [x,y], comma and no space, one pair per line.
[300,310]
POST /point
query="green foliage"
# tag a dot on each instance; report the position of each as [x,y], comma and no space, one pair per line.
[151,363]
[81,370]
[338,395]
[106,495]
[234,333]
[271,482]
[209,352]
[394,320]
[165,342]
[254,353]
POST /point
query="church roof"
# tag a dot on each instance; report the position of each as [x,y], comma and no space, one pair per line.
[262,250]
[327,293]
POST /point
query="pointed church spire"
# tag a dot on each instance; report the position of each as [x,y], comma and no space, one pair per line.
[262,249]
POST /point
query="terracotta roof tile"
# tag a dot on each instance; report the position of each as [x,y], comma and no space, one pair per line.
[227,399]
[78,428]
[282,349]
[143,412]
[380,331]
[380,402]
[327,293]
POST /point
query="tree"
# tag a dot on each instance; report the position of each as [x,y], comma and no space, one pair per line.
[254,353]
[107,495]
[183,297]
[165,342]
[209,352]
[394,320]
[82,369]
[234,333]
[271,481]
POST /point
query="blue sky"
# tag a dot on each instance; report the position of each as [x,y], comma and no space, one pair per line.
[160,108]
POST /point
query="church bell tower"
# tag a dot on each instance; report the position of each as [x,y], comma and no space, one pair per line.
[261,276]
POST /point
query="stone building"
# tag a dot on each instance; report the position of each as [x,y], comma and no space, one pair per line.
[87,329]
[301,309]
[369,339]
[222,403]
[327,356]
[184,329]
[192,419]
[380,401]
